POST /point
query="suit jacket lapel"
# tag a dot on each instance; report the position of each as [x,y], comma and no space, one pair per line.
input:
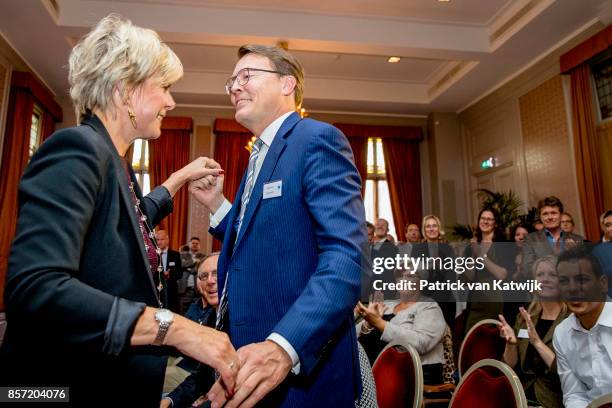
[120,175]
[274,152]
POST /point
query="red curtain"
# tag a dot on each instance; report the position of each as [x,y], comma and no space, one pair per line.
[403,168]
[14,161]
[590,183]
[47,126]
[167,154]
[25,92]
[402,165]
[230,153]
[360,153]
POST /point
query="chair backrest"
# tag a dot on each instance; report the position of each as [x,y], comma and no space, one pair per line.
[605,401]
[489,383]
[398,375]
[482,341]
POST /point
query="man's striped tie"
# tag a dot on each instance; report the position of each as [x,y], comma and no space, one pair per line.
[246,195]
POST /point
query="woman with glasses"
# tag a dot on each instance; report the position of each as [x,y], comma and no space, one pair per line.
[486,246]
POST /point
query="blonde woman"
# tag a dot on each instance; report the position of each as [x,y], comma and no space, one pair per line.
[529,347]
[435,246]
[82,307]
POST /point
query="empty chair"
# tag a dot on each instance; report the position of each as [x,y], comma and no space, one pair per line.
[399,378]
[489,383]
[482,341]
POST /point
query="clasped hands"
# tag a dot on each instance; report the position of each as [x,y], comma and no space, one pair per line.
[263,366]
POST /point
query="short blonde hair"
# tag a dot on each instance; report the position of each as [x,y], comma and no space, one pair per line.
[116,52]
[437,220]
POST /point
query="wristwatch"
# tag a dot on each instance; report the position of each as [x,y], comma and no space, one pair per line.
[164,318]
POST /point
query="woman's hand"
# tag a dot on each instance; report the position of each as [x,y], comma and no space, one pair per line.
[506,331]
[204,169]
[372,314]
[534,338]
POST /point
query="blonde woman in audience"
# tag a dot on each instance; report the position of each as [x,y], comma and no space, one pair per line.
[413,319]
[434,245]
[529,347]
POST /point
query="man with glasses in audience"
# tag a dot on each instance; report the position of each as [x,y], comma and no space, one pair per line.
[290,265]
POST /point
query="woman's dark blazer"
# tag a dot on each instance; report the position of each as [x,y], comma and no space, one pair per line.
[77,278]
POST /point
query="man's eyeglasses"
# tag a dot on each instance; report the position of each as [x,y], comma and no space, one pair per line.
[204,275]
[243,77]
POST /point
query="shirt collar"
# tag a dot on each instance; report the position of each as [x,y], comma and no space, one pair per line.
[549,234]
[267,136]
[605,318]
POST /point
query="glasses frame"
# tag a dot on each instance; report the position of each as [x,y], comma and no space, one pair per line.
[232,80]
[203,278]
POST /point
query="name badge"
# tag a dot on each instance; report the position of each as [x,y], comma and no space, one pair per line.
[523,334]
[172,264]
[273,189]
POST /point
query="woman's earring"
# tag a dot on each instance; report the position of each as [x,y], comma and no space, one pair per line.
[132,117]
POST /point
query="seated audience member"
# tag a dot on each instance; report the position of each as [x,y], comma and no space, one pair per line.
[383,247]
[186,286]
[583,341]
[529,348]
[551,240]
[516,273]
[606,226]
[370,228]
[538,225]
[413,236]
[203,311]
[486,305]
[436,248]
[413,319]
[567,222]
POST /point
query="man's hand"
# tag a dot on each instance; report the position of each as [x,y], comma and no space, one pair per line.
[200,168]
[208,191]
[263,366]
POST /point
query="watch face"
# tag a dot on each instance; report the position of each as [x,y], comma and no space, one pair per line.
[164,315]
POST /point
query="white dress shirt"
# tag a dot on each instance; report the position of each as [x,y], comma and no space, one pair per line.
[584,358]
[267,137]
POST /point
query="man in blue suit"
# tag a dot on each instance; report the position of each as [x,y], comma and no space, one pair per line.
[289,270]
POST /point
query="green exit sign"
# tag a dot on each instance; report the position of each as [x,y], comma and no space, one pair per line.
[488,164]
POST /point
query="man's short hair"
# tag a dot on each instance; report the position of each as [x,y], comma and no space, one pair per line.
[583,251]
[283,62]
[605,215]
[550,201]
[192,238]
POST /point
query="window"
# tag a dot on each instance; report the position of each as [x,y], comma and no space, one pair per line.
[377,201]
[35,130]
[140,163]
[602,78]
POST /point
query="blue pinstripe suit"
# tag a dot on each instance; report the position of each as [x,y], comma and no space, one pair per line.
[295,267]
